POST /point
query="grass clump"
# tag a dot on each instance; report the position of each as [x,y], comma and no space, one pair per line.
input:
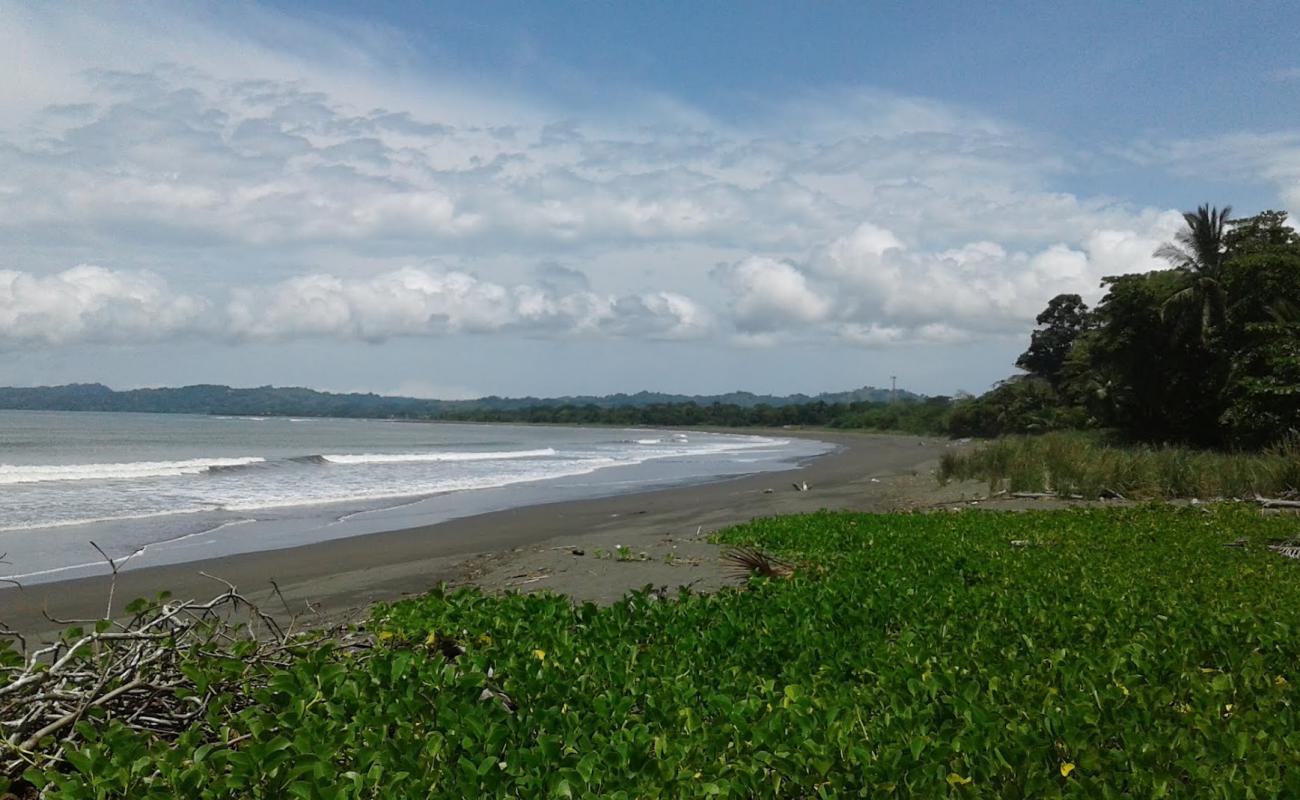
[1098,653]
[1081,464]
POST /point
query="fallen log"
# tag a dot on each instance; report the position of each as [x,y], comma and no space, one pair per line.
[1273,502]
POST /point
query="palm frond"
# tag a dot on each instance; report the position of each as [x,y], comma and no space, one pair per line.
[1177,256]
[748,561]
[1179,300]
[1201,244]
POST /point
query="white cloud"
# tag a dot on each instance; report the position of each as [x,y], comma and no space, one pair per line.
[1247,156]
[415,302]
[868,289]
[90,303]
[280,173]
[770,295]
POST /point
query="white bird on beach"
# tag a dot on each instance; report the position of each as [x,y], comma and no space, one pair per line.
[801,486]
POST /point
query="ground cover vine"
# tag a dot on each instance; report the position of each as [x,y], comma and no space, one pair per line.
[1088,653]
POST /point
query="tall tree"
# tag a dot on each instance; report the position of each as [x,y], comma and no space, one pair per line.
[1198,252]
[1059,326]
[1267,230]
[1262,330]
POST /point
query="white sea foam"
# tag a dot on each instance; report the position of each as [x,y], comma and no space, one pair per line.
[423,490]
[38,473]
[649,441]
[399,458]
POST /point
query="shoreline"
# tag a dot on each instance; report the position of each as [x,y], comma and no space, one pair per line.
[525,548]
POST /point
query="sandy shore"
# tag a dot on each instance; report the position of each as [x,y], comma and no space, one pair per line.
[566,547]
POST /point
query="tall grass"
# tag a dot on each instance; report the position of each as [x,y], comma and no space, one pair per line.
[1079,464]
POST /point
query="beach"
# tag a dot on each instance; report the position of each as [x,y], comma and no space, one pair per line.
[595,549]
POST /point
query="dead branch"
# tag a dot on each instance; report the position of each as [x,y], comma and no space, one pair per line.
[1286,550]
[134,670]
[1273,502]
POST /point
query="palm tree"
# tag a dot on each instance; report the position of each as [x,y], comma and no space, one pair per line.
[1199,252]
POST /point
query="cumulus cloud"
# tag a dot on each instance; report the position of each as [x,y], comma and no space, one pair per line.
[91,303]
[768,295]
[416,302]
[869,289]
[97,305]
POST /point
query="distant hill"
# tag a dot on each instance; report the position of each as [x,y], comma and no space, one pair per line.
[299,402]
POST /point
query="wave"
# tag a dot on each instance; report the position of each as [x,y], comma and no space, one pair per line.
[39,473]
[400,458]
[220,469]
[422,491]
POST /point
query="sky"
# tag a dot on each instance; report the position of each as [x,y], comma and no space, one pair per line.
[454,200]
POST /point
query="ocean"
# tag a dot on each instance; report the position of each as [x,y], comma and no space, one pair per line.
[153,489]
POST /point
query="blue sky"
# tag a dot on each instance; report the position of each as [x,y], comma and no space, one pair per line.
[545,198]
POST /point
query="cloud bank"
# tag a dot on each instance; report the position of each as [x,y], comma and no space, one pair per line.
[235,200]
[92,304]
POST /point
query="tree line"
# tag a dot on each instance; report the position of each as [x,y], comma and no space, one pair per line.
[1206,352]
[923,416]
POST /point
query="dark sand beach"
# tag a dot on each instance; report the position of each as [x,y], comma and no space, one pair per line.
[566,547]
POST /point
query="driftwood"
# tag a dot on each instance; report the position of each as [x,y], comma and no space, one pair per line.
[1288,549]
[1273,502]
[1045,496]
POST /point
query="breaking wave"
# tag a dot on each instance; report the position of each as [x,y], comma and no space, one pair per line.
[39,473]
[399,458]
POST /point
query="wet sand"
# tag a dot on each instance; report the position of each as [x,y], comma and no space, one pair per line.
[567,547]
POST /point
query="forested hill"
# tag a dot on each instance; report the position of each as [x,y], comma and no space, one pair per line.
[289,401]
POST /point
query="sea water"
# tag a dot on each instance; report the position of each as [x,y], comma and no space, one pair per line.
[167,488]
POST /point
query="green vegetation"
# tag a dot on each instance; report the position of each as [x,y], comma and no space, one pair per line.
[1118,653]
[867,407]
[1206,353]
[910,416]
[1081,464]
[299,402]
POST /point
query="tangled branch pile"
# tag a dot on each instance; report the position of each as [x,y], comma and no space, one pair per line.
[134,671]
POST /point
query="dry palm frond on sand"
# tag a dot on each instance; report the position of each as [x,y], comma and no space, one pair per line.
[747,561]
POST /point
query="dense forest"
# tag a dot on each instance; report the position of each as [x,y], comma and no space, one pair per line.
[913,415]
[299,402]
[1206,352]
